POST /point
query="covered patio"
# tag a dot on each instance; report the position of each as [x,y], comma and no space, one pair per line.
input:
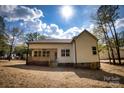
[46,56]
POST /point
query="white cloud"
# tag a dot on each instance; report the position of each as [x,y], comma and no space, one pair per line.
[119,23]
[33,25]
[91,27]
[71,32]
[6,9]
[44,25]
[55,32]
[15,13]
[74,31]
[52,30]
[32,22]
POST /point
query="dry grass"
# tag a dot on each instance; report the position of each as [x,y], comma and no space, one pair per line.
[17,74]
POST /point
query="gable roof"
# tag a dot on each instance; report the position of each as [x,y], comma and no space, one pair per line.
[61,41]
[85,31]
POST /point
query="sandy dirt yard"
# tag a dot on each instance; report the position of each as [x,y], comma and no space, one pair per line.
[17,74]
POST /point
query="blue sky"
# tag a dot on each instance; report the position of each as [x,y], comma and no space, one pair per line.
[53,15]
[49,20]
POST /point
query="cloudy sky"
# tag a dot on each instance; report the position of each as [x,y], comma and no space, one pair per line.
[53,20]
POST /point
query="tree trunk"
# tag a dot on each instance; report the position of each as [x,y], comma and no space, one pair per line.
[111,49]
[10,53]
[109,45]
[113,38]
[107,39]
[11,47]
[27,53]
[112,53]
[117,43]
[107,48]
[112,33]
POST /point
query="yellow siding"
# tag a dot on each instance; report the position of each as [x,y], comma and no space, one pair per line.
[84,45]
[60,59]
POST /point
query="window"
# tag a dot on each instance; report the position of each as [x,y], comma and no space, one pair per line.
[46,53]
[35,53]
[94,50]
[39,53]
[65,52]
[30,52]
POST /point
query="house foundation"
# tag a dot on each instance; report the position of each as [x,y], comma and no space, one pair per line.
[90,65]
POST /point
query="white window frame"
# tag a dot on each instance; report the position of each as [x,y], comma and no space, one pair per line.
[65,53]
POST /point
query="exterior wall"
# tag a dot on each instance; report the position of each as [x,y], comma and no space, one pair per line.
[60,59]
[42,59]
[84,44]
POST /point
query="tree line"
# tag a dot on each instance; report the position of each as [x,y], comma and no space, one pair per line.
[10,38]
[105,30]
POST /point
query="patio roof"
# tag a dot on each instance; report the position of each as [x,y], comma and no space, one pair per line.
[52,41]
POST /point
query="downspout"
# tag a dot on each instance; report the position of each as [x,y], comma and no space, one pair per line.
[75,52]
[98,52]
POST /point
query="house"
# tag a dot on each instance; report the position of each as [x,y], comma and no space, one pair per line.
[81,51]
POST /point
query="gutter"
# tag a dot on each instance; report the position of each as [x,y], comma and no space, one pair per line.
[98,53]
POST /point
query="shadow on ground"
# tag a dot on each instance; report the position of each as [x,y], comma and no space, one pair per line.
[99,75]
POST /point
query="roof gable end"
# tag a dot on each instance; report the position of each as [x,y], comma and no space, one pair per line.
[85,31]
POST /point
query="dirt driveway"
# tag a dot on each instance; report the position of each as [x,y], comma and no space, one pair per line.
[17,74]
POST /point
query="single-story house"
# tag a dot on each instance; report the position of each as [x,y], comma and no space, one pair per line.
[81,51]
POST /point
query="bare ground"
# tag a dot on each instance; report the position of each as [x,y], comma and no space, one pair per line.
[17,74]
